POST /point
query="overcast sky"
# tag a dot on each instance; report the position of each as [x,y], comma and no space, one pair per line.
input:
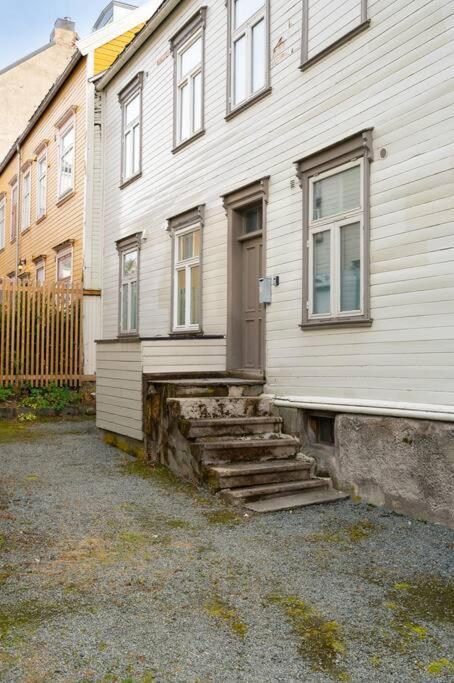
[25,25]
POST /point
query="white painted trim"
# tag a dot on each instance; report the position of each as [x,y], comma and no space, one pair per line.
[420,411]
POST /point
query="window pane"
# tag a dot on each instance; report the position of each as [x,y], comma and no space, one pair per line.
[132,110]
[258,56]
[68,139]
[322,272]
[181,297]
[195,295]
[239,68]
[185,112]
[191,57]
[130,264]
[337,193]
[40,275]
[350,264]
[124,307]
[245,9]
[185,246]
[136,141]
[133,290]
[196,243]
[128,155]
[252,220]
[64,267]
[197,101]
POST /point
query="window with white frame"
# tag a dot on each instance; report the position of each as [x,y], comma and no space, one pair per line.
[188,50]
[66,158]
[2,222]
[187,289]
[131,134]
[41,185]
[26,199]
[64,265]
[249,48]
[14,210]
[336,228]
[129,273]
[40,272]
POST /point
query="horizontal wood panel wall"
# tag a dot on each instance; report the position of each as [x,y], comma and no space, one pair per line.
[119,388]
[180,355]
[395,77]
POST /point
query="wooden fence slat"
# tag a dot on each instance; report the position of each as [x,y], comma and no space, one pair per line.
[40,334]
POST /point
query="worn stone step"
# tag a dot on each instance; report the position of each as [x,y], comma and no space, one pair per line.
[242,474]
[295,500]
[210,450]
[204,408]
[250,493]
[231,426]
[207,387]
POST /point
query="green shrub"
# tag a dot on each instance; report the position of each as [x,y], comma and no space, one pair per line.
[51,396]
[6,393]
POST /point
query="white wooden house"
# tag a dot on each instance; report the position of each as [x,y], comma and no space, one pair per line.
[311,144]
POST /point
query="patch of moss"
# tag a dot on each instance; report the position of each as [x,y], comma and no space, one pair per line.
[2,542]
[426,597]
[219,609]
[227,517]
[350,533]
[30,614]
[125,444]
[320,640]
[440,667]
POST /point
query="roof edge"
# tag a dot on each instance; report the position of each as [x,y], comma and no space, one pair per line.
[43,48]
[41,108]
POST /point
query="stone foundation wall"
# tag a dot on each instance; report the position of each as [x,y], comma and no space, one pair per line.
[404,464]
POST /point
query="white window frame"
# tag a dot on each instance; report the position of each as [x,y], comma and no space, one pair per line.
[245,29]
[187,79]
[14,220]
[186,265]
[129,281]
[62,131]
[333,224]
[125,97]
[60,255]
[41,179]
[26,212]
[40,265]
[2,222]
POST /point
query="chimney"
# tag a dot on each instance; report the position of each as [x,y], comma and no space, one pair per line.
[64,32]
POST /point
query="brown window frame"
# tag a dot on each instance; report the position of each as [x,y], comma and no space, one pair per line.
[192,217]
[307,61]
[355,147]
[124,245]
[132,88]
[194,26]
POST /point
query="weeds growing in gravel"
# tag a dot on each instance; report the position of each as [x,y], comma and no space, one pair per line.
[217,608]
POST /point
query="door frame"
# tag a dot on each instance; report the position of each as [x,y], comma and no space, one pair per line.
[248,195]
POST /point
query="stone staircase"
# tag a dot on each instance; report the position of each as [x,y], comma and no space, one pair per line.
[238,448]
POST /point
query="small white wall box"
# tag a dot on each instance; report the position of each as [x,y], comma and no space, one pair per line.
[265,290]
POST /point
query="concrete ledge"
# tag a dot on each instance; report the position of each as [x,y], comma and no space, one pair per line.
[125,443]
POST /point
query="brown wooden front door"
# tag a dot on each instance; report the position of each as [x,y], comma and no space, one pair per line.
[251,309]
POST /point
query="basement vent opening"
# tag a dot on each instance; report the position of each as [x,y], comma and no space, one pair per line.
[322,429]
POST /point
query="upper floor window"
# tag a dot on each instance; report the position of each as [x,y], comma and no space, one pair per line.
[336,227]
[248,50]
[2,221]
[26,199]
[41,185]
[14,209]
[66,158]
[188,48]
[328,25]
[131,134]
[129,253]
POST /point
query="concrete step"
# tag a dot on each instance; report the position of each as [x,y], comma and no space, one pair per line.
[251,493]
[295,500]
[224,407]
[242,474]
[208,387]
[211,450]
[231,426]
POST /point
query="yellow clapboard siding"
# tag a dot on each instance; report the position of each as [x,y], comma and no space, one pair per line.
[107,53]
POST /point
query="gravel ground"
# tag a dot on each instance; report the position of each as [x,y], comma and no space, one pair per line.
[112,572]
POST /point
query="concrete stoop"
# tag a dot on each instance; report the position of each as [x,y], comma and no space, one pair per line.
[239,449]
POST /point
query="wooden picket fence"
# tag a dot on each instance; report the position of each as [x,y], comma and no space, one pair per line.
[40,334]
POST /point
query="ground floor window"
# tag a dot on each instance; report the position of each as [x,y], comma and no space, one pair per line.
[129,255]
[64,266]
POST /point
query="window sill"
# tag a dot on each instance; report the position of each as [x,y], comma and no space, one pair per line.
[188,334]
[3,249]
[125,336]
[252,100]
[65,197]
[125,183]
[25,230]
[360,321]
[337,43]
[41,218]
[185,143]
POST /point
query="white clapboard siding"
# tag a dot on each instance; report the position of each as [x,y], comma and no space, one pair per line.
[396,77]
[179,355]
[119,388]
